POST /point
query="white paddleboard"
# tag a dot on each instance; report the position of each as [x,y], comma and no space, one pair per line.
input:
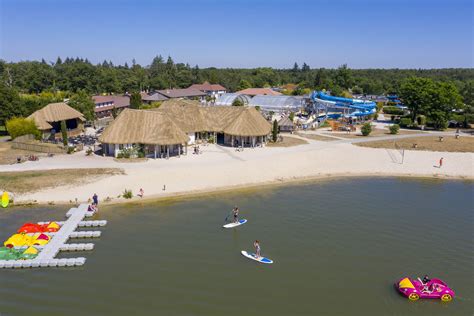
[231,225]
[254,257]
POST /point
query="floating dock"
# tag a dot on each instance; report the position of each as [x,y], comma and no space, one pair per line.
[47,255]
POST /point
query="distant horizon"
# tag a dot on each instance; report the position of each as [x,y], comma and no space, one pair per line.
[243,34]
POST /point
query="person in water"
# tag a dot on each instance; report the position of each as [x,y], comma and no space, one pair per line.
[256,244]
[235,212]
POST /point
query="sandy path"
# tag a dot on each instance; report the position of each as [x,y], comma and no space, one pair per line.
[221,167]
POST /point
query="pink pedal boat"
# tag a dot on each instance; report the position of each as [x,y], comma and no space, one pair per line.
[416,289]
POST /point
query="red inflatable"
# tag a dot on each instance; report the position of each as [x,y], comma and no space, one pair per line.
[37,228]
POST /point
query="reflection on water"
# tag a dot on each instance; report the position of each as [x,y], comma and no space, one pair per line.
[338,247]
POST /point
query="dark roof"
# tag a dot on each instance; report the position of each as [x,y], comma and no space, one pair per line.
[258,91]
[181,93]
[153,96]
[206,86]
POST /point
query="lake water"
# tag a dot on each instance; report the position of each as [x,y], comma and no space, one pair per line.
[338,247]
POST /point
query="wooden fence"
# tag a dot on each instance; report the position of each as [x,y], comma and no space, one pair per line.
[28,142]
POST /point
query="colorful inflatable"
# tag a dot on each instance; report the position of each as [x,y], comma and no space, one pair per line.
[416,289]
[14,254]
[51,227]
[23,240]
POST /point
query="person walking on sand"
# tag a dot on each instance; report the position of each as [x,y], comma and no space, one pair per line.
[441,162]
[141,193]
[95,198]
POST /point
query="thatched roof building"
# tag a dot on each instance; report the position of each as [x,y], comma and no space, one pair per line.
[55,112]
[143,127]
[286,125]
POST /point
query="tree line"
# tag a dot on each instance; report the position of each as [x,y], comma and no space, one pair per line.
[29,85]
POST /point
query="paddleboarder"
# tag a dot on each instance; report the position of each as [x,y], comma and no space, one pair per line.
[235,212]
[256,244]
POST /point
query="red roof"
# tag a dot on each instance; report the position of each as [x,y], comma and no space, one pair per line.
[206,86]
[258,91]
[181,93]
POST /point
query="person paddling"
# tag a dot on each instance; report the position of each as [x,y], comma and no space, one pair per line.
[235,212]
[256,244]
[95,199]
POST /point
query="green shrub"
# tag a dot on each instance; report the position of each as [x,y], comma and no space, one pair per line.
[394,129]
[127,194]
[19,126]
[366,129]
[70,150]
[405,122]
[275,131]
[141,154]
[421,120]
[89,151]
[64,133]
[119,155]
[392,110]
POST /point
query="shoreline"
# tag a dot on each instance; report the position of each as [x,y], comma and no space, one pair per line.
[252,187]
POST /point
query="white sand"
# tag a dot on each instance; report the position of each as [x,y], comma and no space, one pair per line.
[222,167]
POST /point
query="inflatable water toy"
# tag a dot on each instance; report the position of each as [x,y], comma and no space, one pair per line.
[231,225]
[51,227]
[416,289]
[22,240]
[5,199]
[39,243]
[253,256]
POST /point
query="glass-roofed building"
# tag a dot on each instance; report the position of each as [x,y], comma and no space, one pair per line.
[229,98]
[280,103]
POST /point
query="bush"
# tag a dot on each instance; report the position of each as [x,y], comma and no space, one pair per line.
[19,126]
[405,122]
[89,151]
[127,194]
[421,120]
[70,150]
[366,129]
[392,110]
[394,129]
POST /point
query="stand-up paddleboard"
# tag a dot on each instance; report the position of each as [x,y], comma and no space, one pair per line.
[254,257]
[231,225]
[5,199]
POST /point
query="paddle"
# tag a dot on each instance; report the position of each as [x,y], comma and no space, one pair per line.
[225,221]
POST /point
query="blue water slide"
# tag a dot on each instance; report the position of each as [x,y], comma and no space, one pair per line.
[356,107]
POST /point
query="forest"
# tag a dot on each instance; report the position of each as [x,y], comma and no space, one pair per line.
[28,85]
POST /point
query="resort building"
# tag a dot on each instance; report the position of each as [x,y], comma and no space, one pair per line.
[258,91]
[169,129]
[286,125]
[279,103]
[162,95]
[211,90]
[106,104]
[227,99]
[48,120]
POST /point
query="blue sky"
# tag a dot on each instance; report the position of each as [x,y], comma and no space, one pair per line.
[247,33]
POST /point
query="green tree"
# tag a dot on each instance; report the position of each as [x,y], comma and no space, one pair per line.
[64,133]
[366,129]
[10,104]
[344,77]
[275,131]
[19,126]
[82,101]
[237,102]
[244,84]
[292,116]
[135,100]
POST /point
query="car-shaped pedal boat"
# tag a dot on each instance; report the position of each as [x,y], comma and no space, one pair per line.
[51,227]
[416,289]
[23,240]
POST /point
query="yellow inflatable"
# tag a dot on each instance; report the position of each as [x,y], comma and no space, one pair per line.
[22,240]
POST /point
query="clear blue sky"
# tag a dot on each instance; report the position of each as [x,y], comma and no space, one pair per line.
[243,33]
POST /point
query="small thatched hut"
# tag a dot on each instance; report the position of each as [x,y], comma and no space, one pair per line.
[286,125]
[48,119]
[154,130]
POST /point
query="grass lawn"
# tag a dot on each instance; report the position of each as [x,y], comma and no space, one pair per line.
[288,141]
[31,181]
[375,133]
[317,137]
[431,143]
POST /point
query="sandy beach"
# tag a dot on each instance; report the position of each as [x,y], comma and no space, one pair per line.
[224,168]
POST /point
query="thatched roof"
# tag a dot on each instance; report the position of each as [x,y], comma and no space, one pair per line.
[249,122]
[143,127]
[285,122]
[54,112]
[187,114]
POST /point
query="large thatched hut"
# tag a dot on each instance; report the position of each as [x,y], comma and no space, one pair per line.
[48,119]
[154,130]
[177,123]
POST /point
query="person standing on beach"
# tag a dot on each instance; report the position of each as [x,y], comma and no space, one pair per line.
[141,193]
[95,198]
[441,162]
